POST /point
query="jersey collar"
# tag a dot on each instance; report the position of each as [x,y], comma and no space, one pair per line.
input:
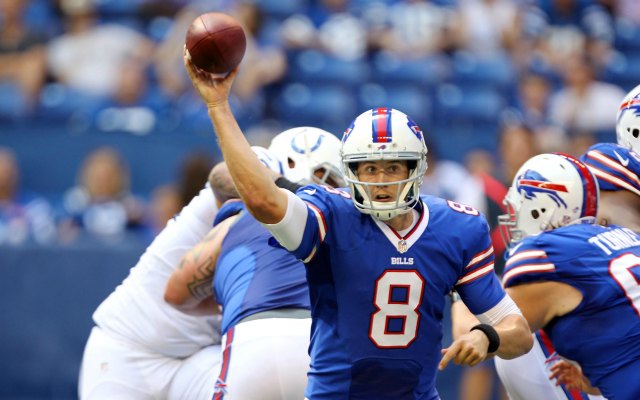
[404,243]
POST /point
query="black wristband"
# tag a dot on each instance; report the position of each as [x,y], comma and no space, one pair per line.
[454,296]
[492,335]
[284,183]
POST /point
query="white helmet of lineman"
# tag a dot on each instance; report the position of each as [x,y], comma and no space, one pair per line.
[628,121]
[303,151]
[548,191]
[268,159]
[384,134]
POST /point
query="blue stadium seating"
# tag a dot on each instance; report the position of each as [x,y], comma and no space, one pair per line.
[13,103]
[410,99]
[330,107]
[49,160]
[318,67]
[428,71]
[623,70]
[479,104]
[282,8]
[472,71]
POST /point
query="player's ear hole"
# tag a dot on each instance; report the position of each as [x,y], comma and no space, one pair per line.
[292,163]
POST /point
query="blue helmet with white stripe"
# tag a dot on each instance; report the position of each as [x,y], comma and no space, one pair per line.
[384,134]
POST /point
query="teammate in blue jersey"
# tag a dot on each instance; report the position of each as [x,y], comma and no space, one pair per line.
[378,272]
[617,167]
[575,279]
[261,288]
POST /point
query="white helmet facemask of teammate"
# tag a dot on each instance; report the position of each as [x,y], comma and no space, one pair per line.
[384,134]
[628,121]
[548,191]
[309,155]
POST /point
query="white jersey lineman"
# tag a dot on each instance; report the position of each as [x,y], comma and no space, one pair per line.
[140,343]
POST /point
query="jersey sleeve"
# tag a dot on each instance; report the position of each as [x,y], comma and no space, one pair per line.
[230,208]
[528,262]
[615,167]
[478,285]
[323,202]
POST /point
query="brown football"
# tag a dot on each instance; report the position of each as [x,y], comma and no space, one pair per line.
[216,42]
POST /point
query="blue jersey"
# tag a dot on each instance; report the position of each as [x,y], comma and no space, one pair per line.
[616,167]
[603,333]
[378,298]
[252,276]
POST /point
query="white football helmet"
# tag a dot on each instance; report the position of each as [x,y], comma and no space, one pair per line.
[269,159]
[384,134]
[305,150]
[628,121]
[549,191]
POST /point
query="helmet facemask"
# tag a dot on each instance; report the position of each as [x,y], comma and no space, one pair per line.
[525,217]
[407,192]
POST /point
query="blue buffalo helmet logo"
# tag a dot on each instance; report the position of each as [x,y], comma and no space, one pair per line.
[414,128]
[347,133]
[532,183]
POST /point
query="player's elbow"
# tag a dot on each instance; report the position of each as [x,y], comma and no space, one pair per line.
[520,340]
[172,296]
[268,209]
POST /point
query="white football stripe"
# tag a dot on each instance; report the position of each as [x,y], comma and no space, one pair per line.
[613,179]
[321,224]
[526,269]
[607,161]
[525,255]
[482,256]
[475,274]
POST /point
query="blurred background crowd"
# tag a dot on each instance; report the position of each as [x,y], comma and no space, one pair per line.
[101,132]
[102,138]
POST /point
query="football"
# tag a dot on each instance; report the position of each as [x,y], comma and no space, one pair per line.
[216,42]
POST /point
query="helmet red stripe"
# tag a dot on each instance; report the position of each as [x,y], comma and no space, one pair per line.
[590,202]
[381,125]
[629,103]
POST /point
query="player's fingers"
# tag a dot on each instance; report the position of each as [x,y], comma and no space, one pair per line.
[467,356]
[231,76]
[448,354]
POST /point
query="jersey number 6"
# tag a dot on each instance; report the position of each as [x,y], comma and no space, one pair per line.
[620,269]
[398,295]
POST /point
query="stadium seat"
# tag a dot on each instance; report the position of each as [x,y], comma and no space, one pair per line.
[469,70]
[330,107]
[482,104]
[58,103]
[454,139]
[318,67]
[627,36]
[12,101]
[428,71]
[282,8]
[623,70]
[410,99]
